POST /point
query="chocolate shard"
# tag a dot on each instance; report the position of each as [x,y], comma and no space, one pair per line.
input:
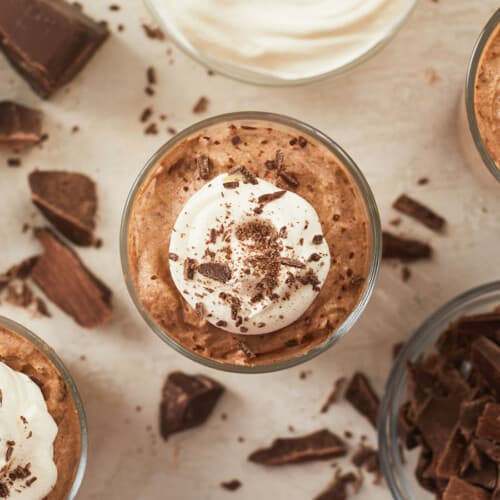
[470,411]
[319,445]
[69,284]
[489,448]
[215,271]
[286,261]
[362,396]
[485,476]
[20,126]
[22,270]
[204,166]
[47,41]
[187,401]
[367,457]
[289,178]
[488,425]
[337,489]
[458,489]
[268,197]
[395,247]
[189,269]
[233,485]
[338,386]
[486,359]
[423,214]
[452,457]
[69,201]
[247,175]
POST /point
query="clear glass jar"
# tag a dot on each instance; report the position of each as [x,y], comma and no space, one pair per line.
[56,361]
[399,472]
[475,152]
[374,230]
[261,78]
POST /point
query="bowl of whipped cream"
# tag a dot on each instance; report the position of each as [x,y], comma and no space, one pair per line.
[280,42]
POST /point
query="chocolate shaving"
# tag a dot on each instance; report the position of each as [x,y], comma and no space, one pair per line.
[247,175]
[367,457]
[362,396]
[458,489]
[153,32]
[48,42]
[268,197]
[204,166]
[317,239]
[286,261]
[201,105]
[20,126]
[290,179]
[419,212]
[337,489]
[406,250]
[187,401]
[189,268]
[231,184]
[215,271]
[69,284]
[68,200]
[244,346]
[320,445]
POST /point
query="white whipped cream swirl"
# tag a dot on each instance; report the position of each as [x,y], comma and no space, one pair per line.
[249,257]
[27,434]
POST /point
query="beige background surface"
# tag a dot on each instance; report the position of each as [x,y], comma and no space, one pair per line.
[398,124]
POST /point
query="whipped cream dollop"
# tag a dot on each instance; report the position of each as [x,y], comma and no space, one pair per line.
[249,257]
[27,434]
[290,39]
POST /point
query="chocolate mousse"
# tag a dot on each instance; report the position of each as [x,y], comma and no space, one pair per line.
[249,243]
[21,355]
[487,96]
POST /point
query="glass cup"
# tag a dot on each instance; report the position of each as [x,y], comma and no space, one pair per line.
[365,194]
[399,472]
[261,78]
[474,149]
[64,373]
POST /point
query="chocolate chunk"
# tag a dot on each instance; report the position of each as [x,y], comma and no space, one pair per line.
[337,489]
[69,284]
[187,401]
[489,448]
[314,257]
[470,411]
[362,396]
[405,274]
[153,32]
[22,270]
[486,359]
[286,261]
[413,208]
[395,247]
[204,166]
[20,126]
[488,425]
[69,201]
[189,269]
[319,445]
[458,489]
[451,458]
[215,271]
[201,105]
[231,184]
[334,395]
[290,179]
[268,197]
[367,457]
[233,485]
[48,41]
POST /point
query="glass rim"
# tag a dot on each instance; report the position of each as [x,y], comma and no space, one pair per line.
[63,371]
[470,84]
[370,207]
[388,438]
[263,79]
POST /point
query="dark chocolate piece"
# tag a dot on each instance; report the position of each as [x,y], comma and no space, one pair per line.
[187,401]
[201,105]
[334,395]
[319,445]
[486,359]
[48,41]
[69,284]
[367,457]
[69,201]
[452,456]
[395,247]
[458,489]
[488,425]
[215,271]
[20,126]
[337,489]
[362,396]
[413,208]
[233,485]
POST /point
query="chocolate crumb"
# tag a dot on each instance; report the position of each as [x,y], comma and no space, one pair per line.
[314,257]
[146,114]
[153,32]
[201,105]
[286,261]
[14,162]
[362,396]
[335,394]
[405,274]
[173,256]
[290,179]
[422,181]
[151,129]
[149,90]
[244,347]
[189,269]
[317,239]
[232,485]
[151,75]
[302,141]
[204,166]
[221,323]
[215,271]
[235,140]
